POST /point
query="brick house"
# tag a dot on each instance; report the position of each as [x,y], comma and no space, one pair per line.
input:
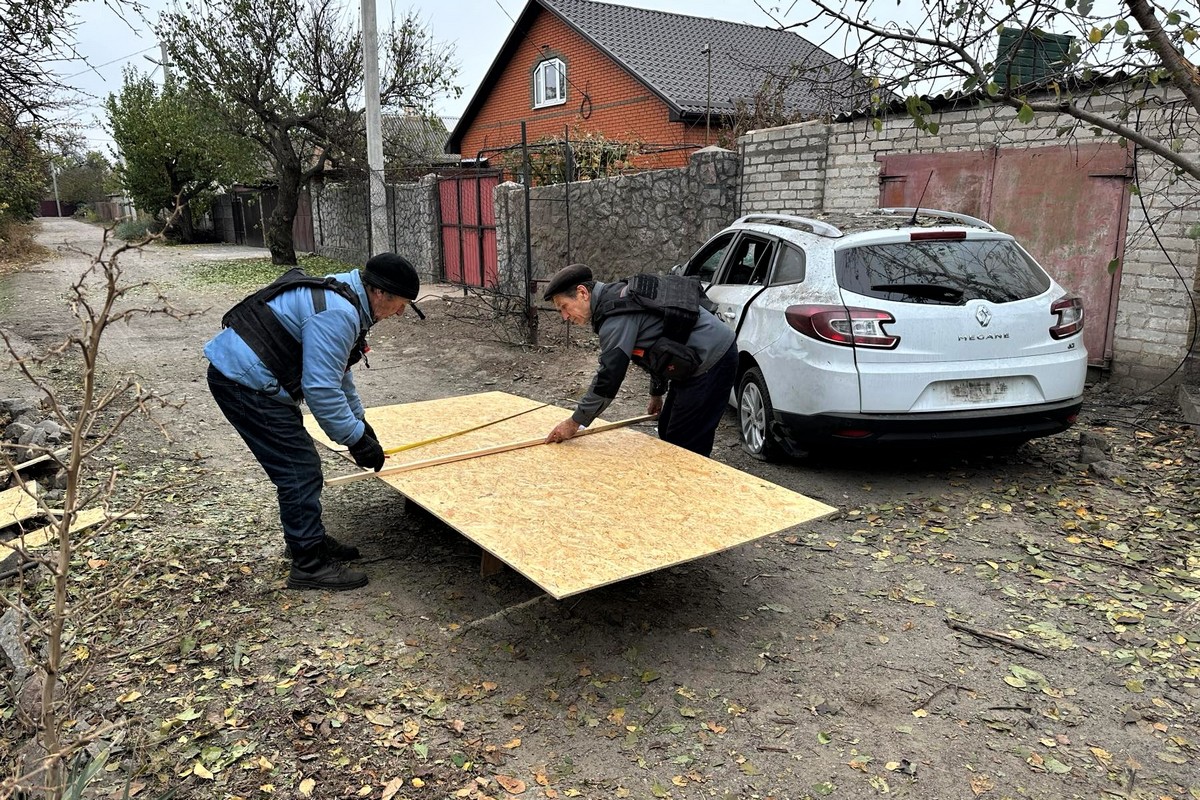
[666,80]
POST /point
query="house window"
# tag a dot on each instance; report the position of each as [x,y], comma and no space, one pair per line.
[549,83]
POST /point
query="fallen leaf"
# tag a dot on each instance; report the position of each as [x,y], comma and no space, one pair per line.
[200,771]
[378,718]
[393,786]
[511,785]
[306,787]
[511,744]
[920,712]
[980,784]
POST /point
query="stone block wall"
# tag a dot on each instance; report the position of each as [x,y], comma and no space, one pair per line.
[341,221]
[342,225]
[618,226]
[413,224]
[815,168]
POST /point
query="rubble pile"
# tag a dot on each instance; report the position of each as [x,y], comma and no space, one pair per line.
[26,433]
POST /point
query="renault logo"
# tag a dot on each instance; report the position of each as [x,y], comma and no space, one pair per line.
[983,316]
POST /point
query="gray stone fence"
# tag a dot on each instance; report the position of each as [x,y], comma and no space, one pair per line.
[618,226]
[341,223]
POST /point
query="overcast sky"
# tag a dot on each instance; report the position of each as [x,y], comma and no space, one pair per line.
[476,27]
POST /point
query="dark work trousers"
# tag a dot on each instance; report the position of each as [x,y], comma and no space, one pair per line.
[693,408]
[275,434]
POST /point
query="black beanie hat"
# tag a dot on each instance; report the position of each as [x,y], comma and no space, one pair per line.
[566,279]
[392,273]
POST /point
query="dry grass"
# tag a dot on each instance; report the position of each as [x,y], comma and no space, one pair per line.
[18,248]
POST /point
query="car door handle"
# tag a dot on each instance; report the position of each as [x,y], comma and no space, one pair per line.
[727,316]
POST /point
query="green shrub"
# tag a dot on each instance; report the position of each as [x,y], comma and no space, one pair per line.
[134,229]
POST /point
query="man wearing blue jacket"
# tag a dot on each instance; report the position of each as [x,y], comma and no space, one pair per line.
[295,340]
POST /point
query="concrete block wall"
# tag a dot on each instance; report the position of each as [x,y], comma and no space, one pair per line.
[786,171]
[618,226]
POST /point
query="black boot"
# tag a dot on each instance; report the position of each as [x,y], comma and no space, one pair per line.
[340,552]
[313,568]
[333,548]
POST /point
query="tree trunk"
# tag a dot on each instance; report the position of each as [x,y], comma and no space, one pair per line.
[279,227]
[186,228]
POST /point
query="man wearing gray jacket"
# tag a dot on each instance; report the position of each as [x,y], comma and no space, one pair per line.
[693,366]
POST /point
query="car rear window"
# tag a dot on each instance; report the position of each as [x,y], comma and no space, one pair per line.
[942,272]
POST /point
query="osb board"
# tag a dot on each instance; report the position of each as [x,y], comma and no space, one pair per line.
[17,504]
[583,514]
[44,536]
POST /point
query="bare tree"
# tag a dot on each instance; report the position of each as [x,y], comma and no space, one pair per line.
[289,76]
[953,47]
[99,298]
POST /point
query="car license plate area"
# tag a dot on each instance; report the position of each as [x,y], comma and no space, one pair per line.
[963,393]
[977,391]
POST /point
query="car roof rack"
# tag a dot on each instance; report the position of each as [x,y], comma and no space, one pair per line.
[816,226]
[938,214]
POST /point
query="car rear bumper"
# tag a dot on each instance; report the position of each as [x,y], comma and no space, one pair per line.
[1014,424]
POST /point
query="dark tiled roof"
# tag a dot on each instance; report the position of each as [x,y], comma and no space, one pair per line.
[415,138]
[664,51]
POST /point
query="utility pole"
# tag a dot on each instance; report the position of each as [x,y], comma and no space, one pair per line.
[378,192]
[54,180]
[164,62]
[707,50]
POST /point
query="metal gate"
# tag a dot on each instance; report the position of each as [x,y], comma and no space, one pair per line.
[468,228]
[1067,206]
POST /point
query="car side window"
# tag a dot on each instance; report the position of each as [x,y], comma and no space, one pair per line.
[749,263]
[789,267]
[704,264]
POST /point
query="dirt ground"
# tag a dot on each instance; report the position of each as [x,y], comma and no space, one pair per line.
[997,625]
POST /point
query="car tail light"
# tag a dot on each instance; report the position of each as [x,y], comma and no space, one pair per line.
[1069,311]
[849,327]
[926,235]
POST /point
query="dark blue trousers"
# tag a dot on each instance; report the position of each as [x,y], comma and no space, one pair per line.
[693,408]
[275,434]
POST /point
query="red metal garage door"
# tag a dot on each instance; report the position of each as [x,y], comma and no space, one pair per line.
[469,228]
[1067,205]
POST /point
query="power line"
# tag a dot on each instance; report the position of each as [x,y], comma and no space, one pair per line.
[93,68]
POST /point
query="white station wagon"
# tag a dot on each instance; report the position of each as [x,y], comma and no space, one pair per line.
[899,325]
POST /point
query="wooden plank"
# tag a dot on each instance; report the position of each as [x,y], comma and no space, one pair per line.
[489,565]
[6,471]
[40,538]
[18,505]
[585,513]
[484,451]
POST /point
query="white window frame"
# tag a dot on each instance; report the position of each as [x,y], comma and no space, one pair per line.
[540,73]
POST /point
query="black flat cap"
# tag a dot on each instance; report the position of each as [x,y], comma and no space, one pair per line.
[566,279]
[394,274]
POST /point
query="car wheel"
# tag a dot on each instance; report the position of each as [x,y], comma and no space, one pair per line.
[754,417]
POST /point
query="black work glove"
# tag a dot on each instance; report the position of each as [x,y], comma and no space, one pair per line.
[367,453]
[369,431]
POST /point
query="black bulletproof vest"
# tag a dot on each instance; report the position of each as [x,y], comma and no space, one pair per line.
[676,298]
[259,328]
